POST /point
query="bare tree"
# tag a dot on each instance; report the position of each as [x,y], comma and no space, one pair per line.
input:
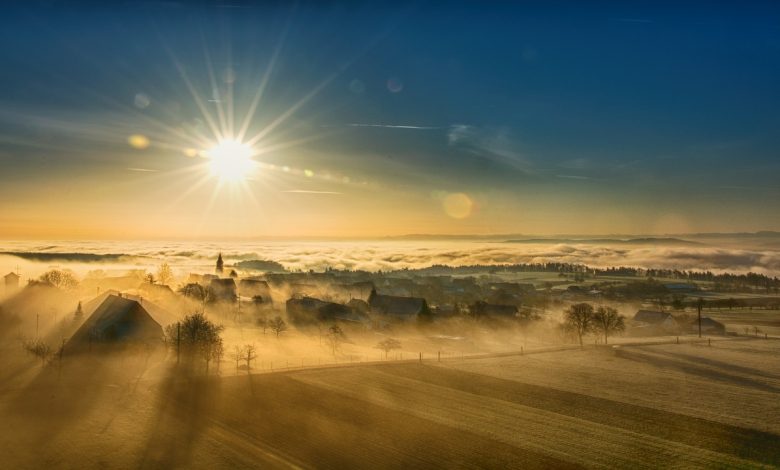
[237,355]
[63,279]
[263,322]
[388,345]
[608,321]
[335,338]
[164,274]
[212,350]
[250,354]
[38,348]
[278,325]
[579,319]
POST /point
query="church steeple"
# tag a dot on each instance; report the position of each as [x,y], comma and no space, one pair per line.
[220,264]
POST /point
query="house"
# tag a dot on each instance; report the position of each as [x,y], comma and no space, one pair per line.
[708,326]
[223,289]
[357,290]
[360,306]
[654,322]
[402,308]
[117,320]
[158,313]
[303,310]
[254,288]
[445,311]
[11,282]
[484,309]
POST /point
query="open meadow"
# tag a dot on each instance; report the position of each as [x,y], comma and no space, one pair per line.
[627,406]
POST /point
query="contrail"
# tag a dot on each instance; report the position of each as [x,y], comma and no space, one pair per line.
[392,126]
[142,169]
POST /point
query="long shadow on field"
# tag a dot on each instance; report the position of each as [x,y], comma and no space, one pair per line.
[185,405]
[693,369]
[317,427]
[724,366]
[61,398]
[745,443]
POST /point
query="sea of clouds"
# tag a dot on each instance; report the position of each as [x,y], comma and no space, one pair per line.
[384,255]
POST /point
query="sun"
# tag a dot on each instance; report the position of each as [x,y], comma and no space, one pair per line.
[230,160]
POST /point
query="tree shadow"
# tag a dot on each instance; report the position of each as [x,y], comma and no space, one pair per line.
[688,368]
[60,397]
[720,364]
[185,403]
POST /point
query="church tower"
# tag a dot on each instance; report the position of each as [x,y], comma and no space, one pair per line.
[220,265]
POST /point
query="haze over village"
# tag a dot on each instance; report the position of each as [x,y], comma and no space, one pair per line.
[389,235]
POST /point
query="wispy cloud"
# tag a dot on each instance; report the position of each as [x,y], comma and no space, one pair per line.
[308,191]
[143,170]
[395,126]
[574,177]
[497,144]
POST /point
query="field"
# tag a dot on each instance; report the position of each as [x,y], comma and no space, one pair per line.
[631,406]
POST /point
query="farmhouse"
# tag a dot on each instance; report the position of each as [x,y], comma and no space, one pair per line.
[655,322]
[708,326]
[484,309]
[223,289]
[11,281]
[402,308]
[254,288]
[308,310]
[117,320]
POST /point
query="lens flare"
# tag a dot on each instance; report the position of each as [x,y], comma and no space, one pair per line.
[457,205]
[138,141]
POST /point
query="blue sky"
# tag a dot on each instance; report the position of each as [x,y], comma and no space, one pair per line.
[549,117]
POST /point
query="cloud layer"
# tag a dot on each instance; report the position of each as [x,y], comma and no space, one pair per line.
[389,255]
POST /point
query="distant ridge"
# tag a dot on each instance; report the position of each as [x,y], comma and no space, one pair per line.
[564,237]
[77,257]
[610,241]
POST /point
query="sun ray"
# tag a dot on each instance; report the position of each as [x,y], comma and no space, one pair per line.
[198,101]
[263,83]
[215,95]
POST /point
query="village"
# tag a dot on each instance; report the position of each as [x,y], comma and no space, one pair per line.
[137,307]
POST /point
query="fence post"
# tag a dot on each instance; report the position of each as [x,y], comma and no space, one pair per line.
[420,358]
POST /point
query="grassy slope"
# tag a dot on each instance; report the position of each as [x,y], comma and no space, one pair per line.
[630,407]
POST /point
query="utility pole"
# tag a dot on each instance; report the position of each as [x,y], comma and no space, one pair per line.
[699,306]
[178,340]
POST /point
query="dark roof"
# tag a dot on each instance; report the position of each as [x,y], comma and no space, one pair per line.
[12,274]
[252,287]
[708,322]
[396,305]
[652,316]
[118,319]
[482,308]
[309,308]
